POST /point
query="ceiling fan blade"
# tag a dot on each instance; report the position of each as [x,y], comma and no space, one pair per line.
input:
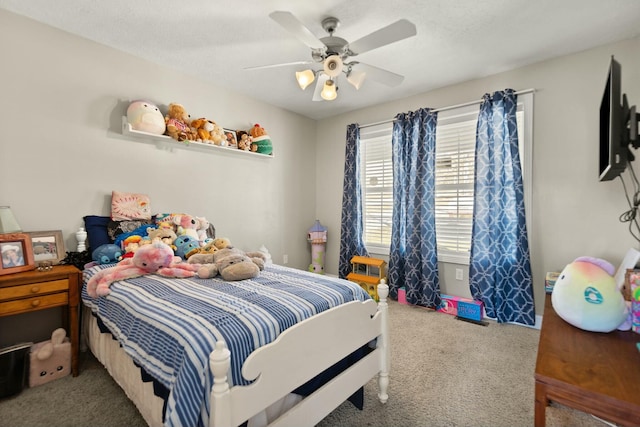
[380,75]
[285,64]
[294,26]
[399,30]
[322,78]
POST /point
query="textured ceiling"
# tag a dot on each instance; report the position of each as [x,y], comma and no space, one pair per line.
[457,40]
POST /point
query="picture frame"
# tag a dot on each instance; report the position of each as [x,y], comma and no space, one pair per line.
[232,140]
[47,246]
[17,253]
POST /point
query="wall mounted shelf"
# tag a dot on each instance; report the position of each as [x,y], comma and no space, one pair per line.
[167,142]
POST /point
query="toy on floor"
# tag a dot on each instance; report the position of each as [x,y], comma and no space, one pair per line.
[155,258]
[317,236]
[586,296]
[51,359]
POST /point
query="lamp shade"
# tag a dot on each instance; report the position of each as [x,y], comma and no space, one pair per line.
[305,78]
[8,223]
[329,92]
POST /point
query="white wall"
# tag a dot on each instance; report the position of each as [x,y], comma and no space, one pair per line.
[573,214]
[61,151]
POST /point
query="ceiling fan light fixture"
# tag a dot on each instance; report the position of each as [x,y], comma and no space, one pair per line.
[333,66]
[329,92]
[305,78]
[356,78]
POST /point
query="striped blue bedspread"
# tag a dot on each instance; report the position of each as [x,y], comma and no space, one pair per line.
[170,326]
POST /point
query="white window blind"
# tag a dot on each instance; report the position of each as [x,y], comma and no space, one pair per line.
[377,186]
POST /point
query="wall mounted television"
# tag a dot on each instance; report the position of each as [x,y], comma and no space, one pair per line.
[618,127]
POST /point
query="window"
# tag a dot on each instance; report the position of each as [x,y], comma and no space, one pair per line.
[455,146]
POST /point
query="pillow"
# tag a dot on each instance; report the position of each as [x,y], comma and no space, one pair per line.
[97,234]
[126,206]
[116,228]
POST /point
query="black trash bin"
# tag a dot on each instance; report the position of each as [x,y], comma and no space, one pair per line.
[14,366]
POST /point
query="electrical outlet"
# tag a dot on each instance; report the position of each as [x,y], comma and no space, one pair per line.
[458,274]
[285,259]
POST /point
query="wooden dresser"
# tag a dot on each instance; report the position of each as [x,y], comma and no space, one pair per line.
[38,290]
[598,373]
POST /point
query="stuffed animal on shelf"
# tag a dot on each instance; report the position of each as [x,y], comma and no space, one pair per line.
[144,116]
[156,258]
[244,140]
[586,296]
[177,123]
[203,128]
[51,359]
[230,263]
[261,142]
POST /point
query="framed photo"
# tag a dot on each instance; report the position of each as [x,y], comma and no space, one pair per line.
[17,253]
[232,141]
[47,246]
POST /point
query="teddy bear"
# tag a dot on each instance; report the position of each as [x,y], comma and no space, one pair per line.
[162,234]
[146,117]
[217,135]
[156,258]
[203,128]
[177,122]
[244,140]
[230,263]
[261,142]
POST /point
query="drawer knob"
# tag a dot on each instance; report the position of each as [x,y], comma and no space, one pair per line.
[35,289]
[35,303]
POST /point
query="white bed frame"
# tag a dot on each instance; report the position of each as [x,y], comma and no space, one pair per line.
[296,356]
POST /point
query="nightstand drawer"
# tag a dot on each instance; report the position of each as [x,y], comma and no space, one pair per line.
[33,289]
[35,303]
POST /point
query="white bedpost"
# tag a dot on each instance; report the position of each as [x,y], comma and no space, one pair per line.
[220,363]
[383,308]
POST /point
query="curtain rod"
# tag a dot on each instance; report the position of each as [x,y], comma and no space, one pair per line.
[451,107]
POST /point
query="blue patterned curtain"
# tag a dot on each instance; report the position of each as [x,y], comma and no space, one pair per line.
[351,229]
[413,261]
[500,270]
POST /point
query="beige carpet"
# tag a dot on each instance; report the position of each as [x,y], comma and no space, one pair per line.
[444,372]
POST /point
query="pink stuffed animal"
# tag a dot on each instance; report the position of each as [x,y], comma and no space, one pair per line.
[186,224]
[155,258]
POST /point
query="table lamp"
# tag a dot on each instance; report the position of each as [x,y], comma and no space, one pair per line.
[8,223]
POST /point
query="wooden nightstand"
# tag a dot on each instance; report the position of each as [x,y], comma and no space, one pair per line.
[38,290]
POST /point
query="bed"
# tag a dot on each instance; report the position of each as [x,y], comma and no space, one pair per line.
[264,351]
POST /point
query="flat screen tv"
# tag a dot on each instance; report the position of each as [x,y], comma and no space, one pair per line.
[618,127]
[613,153]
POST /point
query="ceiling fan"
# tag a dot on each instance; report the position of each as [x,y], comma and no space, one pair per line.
[334,54]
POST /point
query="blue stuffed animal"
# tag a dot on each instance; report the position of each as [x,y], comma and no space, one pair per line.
[185,244]
[107,254]
[586,296]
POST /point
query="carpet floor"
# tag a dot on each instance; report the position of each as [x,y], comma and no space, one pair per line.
[444,372]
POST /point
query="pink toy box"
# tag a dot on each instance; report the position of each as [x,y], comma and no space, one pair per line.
[461,307]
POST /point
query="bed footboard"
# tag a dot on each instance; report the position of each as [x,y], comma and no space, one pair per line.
[299,354]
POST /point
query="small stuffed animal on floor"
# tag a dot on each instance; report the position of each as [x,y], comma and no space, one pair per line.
[51,359]
[155,258]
